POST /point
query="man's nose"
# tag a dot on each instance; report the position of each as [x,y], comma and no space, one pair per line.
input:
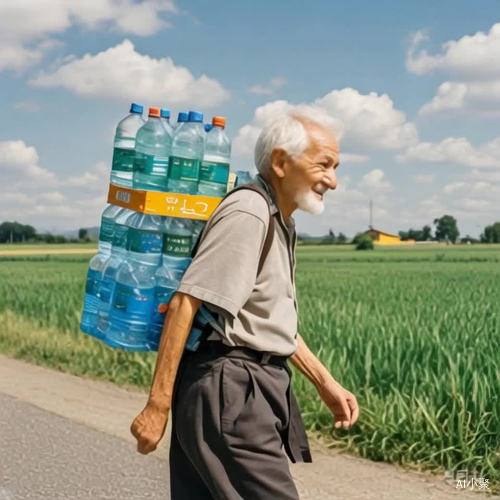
[330,179]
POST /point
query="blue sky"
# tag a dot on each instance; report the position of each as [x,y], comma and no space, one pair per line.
[412,88]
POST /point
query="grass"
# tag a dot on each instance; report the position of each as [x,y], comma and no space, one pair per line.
[414,333]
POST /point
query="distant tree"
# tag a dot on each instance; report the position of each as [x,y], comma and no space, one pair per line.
[403,235]
[426,233]
[341,239]
[83,234]
[446,228]
[468,239]
[15,232]
[491,233]
[364,242]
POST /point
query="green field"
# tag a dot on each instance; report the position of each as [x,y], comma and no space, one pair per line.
[413,332]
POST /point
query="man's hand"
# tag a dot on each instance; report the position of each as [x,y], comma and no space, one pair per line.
[148,428]
[340,402]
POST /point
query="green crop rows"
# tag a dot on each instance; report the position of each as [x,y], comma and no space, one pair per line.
[413,333]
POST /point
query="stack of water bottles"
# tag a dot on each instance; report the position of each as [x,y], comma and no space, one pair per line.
[141,258]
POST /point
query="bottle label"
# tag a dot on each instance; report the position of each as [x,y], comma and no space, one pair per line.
[150,164]
[214,172]
[163,295]
[141,241]
[123,160]
[106,230]
[176,245]
[136,301]
[183,169]
[93,281]
[120,235]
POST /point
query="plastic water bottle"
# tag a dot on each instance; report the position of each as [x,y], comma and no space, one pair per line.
[123,153]
[178,242]
[243,177]
[118,253]
[152,149]
[186,156]
[208,127]
[133,300]
[182,118]
[165,119]
[214,169]
[166,283]
[88,322]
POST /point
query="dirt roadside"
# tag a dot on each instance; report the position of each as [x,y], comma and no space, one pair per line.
[107,408]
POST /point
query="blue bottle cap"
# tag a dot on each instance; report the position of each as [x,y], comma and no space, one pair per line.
[182,117]
[195,116]
[136,108]
[208,127]
[165,113]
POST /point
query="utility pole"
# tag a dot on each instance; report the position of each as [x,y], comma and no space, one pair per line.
[371,215]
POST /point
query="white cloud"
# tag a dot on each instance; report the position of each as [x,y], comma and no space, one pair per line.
[28,25]
[424,179]
[120,73]
[469,57]
[269,88]
[19,165]
[353,158]
[472,65]
[374,182]
[361,121]
[455,150]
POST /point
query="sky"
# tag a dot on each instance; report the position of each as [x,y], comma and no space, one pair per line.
[412,90]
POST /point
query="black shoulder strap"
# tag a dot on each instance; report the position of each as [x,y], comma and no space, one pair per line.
[270,229]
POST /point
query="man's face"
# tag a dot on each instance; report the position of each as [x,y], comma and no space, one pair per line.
[311,174]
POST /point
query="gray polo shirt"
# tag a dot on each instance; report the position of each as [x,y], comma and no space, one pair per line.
[256,311]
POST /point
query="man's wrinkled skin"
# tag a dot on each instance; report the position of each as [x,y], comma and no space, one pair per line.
[307,177]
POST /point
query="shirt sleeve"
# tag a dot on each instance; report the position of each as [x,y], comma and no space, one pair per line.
[224,269]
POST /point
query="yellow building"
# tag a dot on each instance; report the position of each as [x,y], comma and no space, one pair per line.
[381,238]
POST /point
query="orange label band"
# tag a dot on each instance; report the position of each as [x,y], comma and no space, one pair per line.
[186,206]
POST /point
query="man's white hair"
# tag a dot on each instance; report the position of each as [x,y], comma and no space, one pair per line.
[286,132]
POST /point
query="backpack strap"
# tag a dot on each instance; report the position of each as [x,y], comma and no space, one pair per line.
[205,322]
[270,229]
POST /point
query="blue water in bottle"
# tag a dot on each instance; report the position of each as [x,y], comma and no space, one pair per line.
[214,169]
[88,322]
[107,285]
[186,155]
[152,150]
[133,298]
[123,152]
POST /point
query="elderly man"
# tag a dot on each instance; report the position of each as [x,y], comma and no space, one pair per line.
[234,415]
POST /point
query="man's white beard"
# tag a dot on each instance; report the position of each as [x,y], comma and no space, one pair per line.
[308,202]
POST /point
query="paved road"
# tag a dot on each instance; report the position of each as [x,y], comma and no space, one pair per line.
[63,436]
[45,456]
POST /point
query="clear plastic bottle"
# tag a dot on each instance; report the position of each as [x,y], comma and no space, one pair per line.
[214,169]
[124,144]
[152,149]
[182,118]
[133,299]
[186,156]
[243,177]
[178,242]
[88,322]
[208,127]
[165,119]
[118,253]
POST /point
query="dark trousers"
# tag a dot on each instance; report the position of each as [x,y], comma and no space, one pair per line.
[230,430]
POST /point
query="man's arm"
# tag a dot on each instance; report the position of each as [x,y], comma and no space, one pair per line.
[340,401]
[149,426]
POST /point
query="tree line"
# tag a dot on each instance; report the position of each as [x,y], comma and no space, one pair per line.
[14,232]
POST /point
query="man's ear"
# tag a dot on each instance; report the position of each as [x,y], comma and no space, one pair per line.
[278,162]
